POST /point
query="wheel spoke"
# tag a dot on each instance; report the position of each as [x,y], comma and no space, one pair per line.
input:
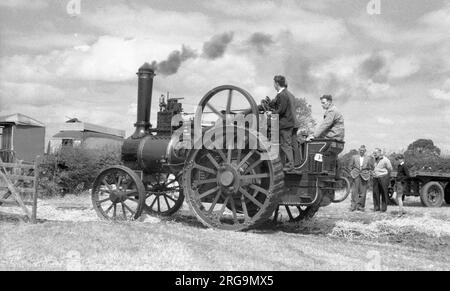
[115,210]
[203,182]
[233,208]
[252,166]
[153,203]
[222,155]
[244,207]
[213,161]
[103,201]
[209,192]
[251,198]
[129,209]
[289,212]
[238,158]
[230,99]
[106,184]
[256,176]
[123,211]
[167,202]
[109,209]
[204,169]
[224,205]
[170,182]
[213,204]
[259,189]
[244,160]
[229,156]
[217,112]
[159,204]
[119,182]
[173,200]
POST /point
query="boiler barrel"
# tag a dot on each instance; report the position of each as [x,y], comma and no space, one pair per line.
[148,153]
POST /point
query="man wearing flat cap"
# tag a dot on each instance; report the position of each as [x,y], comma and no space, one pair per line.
[332,126]
[360,168]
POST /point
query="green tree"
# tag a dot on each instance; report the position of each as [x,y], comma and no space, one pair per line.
[423,147]
[304,116]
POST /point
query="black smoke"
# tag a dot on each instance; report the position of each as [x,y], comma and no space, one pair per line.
[174,61]
[260,41]
[373,68]
[217,45]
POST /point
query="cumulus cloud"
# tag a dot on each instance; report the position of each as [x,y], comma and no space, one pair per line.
[35,94]
[36,4]
[440,94]
[384,121]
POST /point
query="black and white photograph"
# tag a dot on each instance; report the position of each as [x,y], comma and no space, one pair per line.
[232,138]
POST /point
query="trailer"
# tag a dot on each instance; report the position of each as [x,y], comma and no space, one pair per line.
[433,188]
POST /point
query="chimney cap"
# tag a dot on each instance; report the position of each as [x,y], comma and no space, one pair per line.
[147,68]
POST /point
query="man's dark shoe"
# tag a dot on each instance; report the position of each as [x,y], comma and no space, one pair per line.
[352,209]
[360,209]
[376,209]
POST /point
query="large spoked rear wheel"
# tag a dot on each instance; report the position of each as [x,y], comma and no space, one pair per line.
[118,194]
[164,195]
[232,189]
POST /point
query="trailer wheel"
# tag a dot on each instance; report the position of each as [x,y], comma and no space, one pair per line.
[447,193]
[432,194]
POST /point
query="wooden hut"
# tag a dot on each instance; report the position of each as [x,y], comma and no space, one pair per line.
[22,138]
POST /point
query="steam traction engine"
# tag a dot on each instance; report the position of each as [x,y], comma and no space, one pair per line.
[226,186]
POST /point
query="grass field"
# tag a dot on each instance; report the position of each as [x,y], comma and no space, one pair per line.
[70,237]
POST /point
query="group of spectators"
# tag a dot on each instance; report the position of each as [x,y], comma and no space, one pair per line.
[378,168]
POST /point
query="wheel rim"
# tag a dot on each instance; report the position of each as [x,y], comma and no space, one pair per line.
[118,195]
[220,101]
[433,194]
[229,189]
[164,195]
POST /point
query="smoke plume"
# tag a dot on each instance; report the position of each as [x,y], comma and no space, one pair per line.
[217,45]
[174,61]
[260,41]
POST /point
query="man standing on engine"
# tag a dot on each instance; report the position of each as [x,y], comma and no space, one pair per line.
[282,106]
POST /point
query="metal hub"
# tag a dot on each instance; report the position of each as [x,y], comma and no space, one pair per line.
[118,196]
[226,178]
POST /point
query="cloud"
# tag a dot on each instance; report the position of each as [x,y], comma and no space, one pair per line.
[384,121]
[403,67]
[24,4]
[440,94]
[260,41]
[217,45]
[35,94]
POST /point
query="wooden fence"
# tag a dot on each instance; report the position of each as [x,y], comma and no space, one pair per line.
[18,187]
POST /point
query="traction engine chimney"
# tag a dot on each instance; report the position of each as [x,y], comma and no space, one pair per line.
[144,102]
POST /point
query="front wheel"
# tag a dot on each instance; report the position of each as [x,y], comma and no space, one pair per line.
[118,194]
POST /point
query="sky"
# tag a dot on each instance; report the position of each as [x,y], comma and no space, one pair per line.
[387,66]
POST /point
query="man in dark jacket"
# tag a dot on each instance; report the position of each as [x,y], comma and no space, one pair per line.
[282,106]
[360,167]
[401,182]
